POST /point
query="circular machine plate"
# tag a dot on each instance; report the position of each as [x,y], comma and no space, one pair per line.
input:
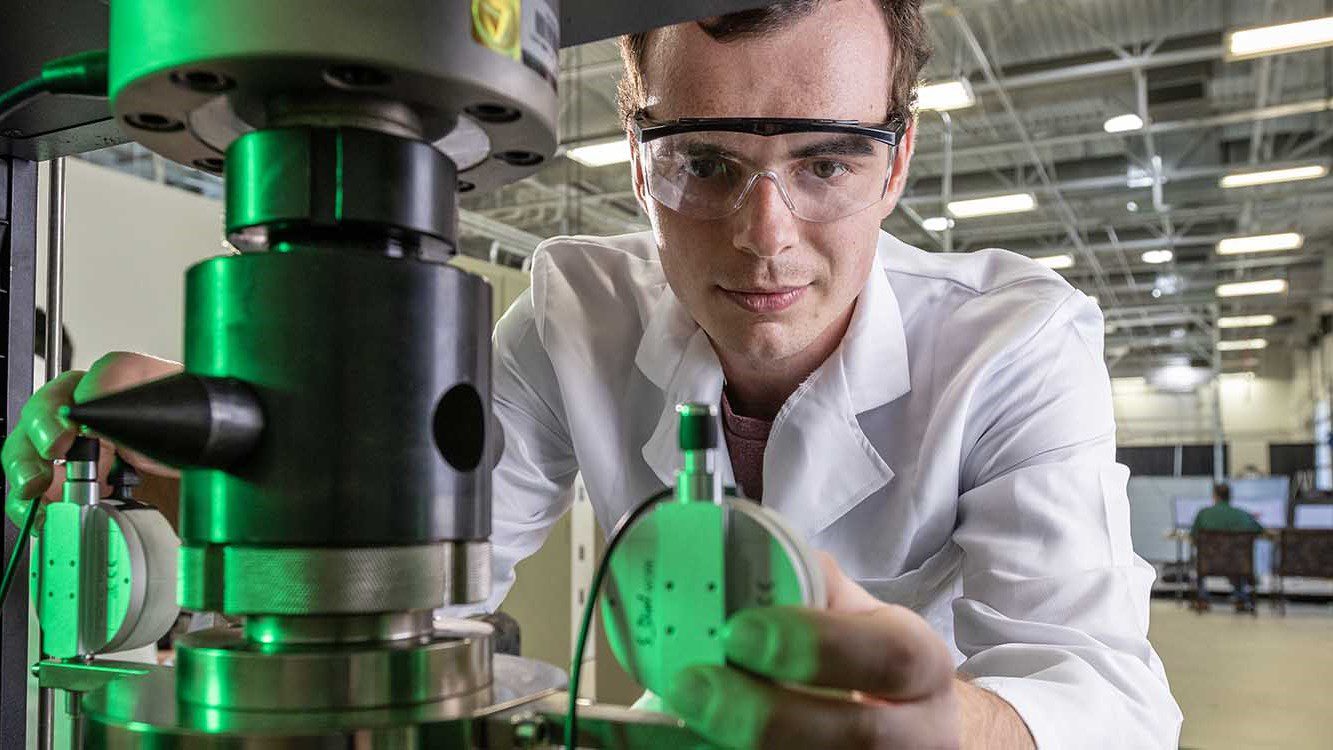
[219,668]
[139,712]
[214,69]
[765,564]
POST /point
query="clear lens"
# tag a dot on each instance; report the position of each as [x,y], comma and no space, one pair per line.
[822,176]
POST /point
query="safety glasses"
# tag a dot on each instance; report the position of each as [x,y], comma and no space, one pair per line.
[824,170]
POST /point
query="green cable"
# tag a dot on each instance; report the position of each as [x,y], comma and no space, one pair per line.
[11,99]
[20,544]
[84,73]
[576,668]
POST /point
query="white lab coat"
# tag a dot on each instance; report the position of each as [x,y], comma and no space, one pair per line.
[956,455]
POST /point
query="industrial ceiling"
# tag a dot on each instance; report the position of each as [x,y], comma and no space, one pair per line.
[1139,213]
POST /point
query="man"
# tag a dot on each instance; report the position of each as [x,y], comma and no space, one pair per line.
[941,426]
[1223,516]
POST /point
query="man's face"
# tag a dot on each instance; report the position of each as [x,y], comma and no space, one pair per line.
[762,283]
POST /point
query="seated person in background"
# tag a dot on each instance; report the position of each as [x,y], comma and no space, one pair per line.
[1222,516]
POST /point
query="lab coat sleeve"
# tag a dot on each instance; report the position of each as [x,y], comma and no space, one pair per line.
[532,484]
[1053,615]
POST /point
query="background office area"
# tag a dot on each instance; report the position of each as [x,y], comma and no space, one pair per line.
[1175,171]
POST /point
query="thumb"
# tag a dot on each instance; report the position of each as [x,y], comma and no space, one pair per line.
[844,594]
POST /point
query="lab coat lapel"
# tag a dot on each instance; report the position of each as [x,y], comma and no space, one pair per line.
[676,355]
[819,463]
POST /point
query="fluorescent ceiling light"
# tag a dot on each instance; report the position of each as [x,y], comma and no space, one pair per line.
[1286,37]
[1123,123]
[1260,243]
[1178,378]
[1270,176]
[1241,345]
[1166,283]
[601,154]
[1063,260]
[1158,256]
[937,223]
[1246,321]
[1012,203]
[1127,381]
[945,95]
[1247,288]
[1093,297]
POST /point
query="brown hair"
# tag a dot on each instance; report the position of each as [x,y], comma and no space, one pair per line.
[909,48]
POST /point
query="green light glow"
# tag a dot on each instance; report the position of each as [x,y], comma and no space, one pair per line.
[668,582]
[338,175]
[728,708]
[118,572]
[778,642]
[58,557]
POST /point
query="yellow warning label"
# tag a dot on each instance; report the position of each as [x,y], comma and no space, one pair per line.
[495,25]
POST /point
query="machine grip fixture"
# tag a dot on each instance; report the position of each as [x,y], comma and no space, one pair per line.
[333,423]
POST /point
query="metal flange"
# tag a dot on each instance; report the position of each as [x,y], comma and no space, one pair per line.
[477,79]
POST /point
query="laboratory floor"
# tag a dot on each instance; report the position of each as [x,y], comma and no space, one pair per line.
[1249,682]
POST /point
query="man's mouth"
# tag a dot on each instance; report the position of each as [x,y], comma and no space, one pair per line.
[765,300]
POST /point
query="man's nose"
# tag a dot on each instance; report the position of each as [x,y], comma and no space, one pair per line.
[765,225]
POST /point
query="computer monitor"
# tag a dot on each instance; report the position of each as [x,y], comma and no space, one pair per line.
[1265,498]
[1185,507]
[1313,517]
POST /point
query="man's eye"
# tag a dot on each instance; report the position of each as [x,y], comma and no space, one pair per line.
[827,170]
[704,169]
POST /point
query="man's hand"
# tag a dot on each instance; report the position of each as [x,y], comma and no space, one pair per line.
[862,674]
[42,435]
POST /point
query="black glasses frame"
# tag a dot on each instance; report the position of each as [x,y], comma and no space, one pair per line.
[646,129]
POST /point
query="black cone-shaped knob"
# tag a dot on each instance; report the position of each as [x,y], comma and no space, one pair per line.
[186,421]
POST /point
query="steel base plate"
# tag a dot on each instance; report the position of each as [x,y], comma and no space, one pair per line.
[219,668]
[143,712]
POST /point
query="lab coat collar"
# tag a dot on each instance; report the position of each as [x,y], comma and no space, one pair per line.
[819,463]
[676,355]
[874,349]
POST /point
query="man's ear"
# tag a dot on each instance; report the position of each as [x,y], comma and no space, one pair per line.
[902,159]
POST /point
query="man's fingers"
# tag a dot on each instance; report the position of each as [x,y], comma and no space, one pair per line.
[736,710]
[25,469]
[117,371]
[42,435]
[16,508]
[728,708]
[889,652]
[50,434]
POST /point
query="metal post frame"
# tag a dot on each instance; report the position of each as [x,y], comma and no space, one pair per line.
[18,269]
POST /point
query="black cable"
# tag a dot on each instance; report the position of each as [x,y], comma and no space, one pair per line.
[20,544]
[576,668]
